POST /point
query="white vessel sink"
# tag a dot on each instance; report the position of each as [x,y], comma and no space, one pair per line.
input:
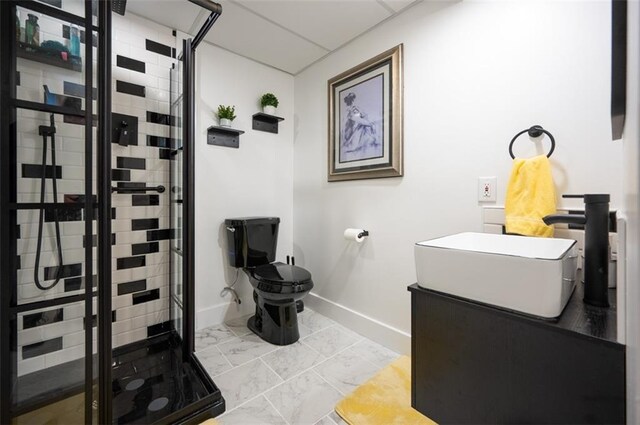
[535,276]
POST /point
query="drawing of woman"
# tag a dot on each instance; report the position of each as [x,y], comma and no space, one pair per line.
[358,132]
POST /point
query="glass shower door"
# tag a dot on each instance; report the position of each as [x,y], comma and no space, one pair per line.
[176,196]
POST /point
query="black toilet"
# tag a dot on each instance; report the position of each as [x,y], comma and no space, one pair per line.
[278,287]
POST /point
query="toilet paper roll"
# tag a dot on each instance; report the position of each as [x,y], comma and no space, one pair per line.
[354,235]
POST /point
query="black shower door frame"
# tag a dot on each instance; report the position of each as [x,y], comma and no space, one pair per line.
[95,376]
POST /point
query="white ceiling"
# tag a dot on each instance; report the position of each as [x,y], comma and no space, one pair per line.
[286,34]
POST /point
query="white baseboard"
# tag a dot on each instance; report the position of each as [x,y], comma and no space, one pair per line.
[222,312]
[392,338]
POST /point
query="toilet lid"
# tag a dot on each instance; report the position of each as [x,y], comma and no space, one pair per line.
[283,274]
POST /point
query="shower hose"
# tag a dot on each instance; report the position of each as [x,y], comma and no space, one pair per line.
[45,132]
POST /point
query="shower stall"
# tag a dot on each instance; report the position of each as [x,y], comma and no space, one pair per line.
[96,226]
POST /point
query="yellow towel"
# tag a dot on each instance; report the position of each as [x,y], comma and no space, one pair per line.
[531,195]
[385,399]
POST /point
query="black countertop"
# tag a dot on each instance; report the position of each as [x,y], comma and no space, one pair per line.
[576,318]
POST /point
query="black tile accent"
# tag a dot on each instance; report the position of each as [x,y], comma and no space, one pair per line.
[43,318]
[130,88]
[158,118]
[78,198]
[94,240]
[160,142]
[18,78]
[145,200]
[158,235]
[74,89]
[120,175]
[132,64]
[94,322]
[145,248]
[158,329]
[146,296]
[159,48]
[173,33]
[69,119]
[66,33]
[132,125]
[77,283]
[131,262]
[133,163]
[131,287]
[131,185]
[173,52]
[113,214]
[63,215]
[41,348]
[18,231]
[113,316]
[34,171]
[68,270]
[55,3]
[144,223]
[18,262]
[165,154]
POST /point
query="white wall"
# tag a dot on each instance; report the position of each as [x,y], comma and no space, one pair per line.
[631,139]
[476,73]
[254,180]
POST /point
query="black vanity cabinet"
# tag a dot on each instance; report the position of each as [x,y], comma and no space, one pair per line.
[473,363]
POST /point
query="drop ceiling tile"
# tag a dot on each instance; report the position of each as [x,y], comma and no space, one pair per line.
[327,23]
[176,14]
[247,34]
[398,5]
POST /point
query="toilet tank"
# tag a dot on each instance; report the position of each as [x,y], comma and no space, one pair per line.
[251,241]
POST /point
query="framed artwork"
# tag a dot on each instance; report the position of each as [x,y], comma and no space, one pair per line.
[365,119]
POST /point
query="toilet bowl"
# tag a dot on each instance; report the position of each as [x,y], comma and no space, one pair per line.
[278,288]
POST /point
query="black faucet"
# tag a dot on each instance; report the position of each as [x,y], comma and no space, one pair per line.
[596,245]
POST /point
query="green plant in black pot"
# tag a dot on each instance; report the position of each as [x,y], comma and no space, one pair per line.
[269,103]
[226,114]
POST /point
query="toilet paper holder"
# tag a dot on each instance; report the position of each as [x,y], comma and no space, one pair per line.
[363,233]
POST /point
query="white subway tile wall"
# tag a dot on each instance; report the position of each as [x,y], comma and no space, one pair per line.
[142,57]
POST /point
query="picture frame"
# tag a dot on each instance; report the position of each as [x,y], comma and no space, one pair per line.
[366,119]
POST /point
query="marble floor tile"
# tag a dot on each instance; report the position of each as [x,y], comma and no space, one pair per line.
[304,331]
[375,353]
[329,341]
[336,418]
[313,320]
[256,411]
[245,382]
[292,359]
[239,325]
[245,348]
[213,361]
[211,336]
[304,399]
[346,371]
[325,421]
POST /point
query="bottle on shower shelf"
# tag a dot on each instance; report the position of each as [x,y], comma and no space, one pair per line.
[32,30]
[74,40]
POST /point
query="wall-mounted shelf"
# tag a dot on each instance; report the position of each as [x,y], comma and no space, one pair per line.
[37,54]
[266,122]
[224,136]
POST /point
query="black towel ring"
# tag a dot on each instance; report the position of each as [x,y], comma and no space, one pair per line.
[535,131]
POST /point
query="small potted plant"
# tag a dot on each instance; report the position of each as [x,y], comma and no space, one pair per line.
[226,114]
[269,103]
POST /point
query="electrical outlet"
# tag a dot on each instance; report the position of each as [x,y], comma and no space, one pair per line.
[487,189]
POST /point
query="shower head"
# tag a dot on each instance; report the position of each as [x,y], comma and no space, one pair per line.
[119,6]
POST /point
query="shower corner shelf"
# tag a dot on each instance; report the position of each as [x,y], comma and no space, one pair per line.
[224,136]
[37,54]
[266,122]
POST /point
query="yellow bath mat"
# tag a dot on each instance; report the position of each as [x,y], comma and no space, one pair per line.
[384,399]
[209,422]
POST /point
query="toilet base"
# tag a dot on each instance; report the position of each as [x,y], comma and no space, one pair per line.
[276,324]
